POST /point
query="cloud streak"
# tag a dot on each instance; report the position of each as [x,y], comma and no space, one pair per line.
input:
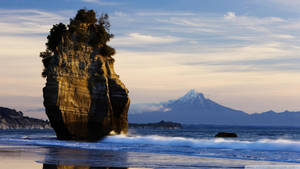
[101,2]
[27,21]
[260,65]
[137,39]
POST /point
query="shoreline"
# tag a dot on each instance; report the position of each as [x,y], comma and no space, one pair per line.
[35,157]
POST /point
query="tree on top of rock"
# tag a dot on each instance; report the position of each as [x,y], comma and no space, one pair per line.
[85,16]
[84,28]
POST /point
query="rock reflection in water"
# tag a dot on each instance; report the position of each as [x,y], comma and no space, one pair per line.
[68,158]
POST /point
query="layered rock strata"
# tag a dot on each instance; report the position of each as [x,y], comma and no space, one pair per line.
[83,97]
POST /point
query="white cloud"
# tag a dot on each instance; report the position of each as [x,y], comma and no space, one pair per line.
[164,13]
[152,39]
[141,108]
[120,14]
[101,2]
[27,21]
[22,36]
[276,19]
[142,39]
[30,15]
[191,25]
[230,15]
[284,36]
[228,25]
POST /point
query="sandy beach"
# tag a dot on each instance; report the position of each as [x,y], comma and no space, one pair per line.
[36,157]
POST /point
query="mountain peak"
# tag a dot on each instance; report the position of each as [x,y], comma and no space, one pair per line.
[192,95]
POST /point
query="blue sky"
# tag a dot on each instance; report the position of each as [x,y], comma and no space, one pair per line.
[243,54]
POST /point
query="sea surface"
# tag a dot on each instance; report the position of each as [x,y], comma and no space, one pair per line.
[189,147]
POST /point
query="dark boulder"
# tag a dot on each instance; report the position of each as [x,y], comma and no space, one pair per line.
[225,134]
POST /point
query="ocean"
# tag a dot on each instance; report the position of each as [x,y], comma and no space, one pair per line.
[189,147]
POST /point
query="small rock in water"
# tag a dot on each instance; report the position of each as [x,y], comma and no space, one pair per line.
[225,134]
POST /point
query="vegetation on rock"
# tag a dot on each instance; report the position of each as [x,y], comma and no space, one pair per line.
[83,29]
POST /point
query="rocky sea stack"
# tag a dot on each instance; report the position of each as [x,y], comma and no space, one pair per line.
[83,97]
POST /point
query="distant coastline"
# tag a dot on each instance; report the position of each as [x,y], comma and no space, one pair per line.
[162,124]
[12,119]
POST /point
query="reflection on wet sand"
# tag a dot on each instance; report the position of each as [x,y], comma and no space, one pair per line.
[68,158]
[53,166]
[40,157]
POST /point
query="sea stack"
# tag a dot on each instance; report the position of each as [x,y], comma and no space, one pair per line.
[83,97]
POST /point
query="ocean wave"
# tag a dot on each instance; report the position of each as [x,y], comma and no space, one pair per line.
[216,143]
[118,142]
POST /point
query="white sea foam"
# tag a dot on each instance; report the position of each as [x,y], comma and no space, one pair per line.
[119,141]
[217,143]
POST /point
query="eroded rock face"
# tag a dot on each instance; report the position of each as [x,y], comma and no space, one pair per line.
[83,97]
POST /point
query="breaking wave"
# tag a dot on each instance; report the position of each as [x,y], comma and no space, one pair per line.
[118,142]
[218,143]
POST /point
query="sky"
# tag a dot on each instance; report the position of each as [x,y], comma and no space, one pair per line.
[241,54]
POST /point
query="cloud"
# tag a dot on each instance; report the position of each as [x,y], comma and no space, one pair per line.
[190,25]
[142,108]
[288,8]
[269,57]
[101,2]
[142,39]
[259,65]
[120,14]
[230,15]
[27,21]
[283,36]
[23,35]
[227,25]
[291,3]
[152,39]
[165,13]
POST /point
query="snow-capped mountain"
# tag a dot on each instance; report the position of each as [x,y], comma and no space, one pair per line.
[195,108]
[192,95]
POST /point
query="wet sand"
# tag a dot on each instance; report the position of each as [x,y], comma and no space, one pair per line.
[36,157]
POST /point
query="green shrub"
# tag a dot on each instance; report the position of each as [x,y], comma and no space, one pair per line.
[55,36]
[106,50]
[84,28]
[86,16]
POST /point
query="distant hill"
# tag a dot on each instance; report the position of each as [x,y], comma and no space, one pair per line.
[12,119]
[194,108]
[162,125]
